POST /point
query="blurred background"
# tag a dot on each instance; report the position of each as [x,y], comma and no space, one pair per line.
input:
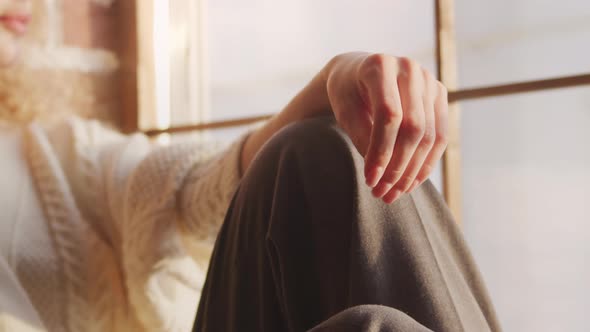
[525,160]
[525,166]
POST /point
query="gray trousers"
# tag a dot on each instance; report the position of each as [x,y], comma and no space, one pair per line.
[305,246]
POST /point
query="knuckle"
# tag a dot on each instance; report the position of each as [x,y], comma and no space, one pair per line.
[388,115]
[429,137]
[441,138]
[372,67]
[405,63]
[408,65]
[413,128]
[374,61]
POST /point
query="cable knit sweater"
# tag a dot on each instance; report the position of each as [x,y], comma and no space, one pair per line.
[116,233]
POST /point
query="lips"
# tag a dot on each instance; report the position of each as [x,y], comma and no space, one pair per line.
[18,24]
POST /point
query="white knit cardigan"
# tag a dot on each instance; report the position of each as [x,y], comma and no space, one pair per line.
[131,227]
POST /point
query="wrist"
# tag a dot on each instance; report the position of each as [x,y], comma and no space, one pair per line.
[345,62]
[310,102]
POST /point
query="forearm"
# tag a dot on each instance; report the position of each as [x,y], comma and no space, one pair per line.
[310,102]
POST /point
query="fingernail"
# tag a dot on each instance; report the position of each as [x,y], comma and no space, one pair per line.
[393,196]
[373,176]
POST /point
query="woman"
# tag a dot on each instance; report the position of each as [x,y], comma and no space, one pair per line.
[333,225]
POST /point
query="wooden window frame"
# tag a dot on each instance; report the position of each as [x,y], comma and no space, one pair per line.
[137,84]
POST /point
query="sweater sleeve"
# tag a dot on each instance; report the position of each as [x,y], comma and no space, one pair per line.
[207,192]
[196,181]
[127,173]
[146,199]
[164,191]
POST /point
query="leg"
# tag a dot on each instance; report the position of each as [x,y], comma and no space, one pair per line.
[370,318]
[304,239]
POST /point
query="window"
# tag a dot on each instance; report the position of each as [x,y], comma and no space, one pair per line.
[524,191]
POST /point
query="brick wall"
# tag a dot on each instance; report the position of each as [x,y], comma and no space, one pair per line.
[69,65]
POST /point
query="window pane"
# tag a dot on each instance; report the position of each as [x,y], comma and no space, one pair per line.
[262,52]
[526,189]
[515,40]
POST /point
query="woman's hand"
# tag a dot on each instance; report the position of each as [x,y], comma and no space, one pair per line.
[395,112]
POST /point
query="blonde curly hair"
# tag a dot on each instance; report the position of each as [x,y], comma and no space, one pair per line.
[52,81]
[28,94]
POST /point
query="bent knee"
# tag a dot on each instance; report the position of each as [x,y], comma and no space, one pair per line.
[319,132]
[313,144]
[370,317]
[308,167]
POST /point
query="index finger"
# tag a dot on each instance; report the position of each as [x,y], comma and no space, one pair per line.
[386,108]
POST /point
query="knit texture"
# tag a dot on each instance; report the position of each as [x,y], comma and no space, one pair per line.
[131,225]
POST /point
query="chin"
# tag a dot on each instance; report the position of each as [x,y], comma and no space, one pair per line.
[8,56]
[9,48]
